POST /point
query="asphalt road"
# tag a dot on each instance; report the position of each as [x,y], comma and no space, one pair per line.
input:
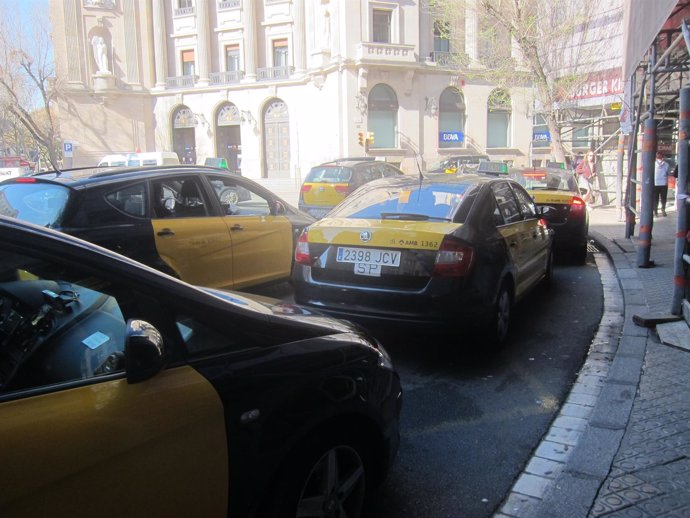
[470,420]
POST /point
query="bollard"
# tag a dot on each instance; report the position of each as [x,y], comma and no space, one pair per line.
[644,238]
[679,281]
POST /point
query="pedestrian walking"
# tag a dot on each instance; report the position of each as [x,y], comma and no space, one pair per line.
[586,171]
[661,171]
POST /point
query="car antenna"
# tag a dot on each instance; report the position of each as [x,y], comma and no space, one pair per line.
[56,169]
[421,176]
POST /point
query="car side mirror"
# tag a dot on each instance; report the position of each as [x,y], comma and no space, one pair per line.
[547,212]
[279,209]
[144,351]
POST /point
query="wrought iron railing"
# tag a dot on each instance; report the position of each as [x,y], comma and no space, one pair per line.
[181,81]
[273,73]
[224,78]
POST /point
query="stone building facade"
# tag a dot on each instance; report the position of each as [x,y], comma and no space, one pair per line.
[277,86]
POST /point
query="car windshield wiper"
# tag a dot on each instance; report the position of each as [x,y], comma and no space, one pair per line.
[411,216]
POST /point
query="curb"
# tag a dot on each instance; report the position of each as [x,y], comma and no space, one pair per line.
[566,470]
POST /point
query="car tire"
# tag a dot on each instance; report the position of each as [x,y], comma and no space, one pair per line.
[499,322]
[327,479]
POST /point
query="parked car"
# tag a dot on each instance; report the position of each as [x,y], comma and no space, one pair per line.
[139,159]
[445,250]
[556,193]
[328,184]
[462,164]
[204,225]
[125,392]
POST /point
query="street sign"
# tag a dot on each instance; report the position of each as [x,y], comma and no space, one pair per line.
[67,149]
[451,136]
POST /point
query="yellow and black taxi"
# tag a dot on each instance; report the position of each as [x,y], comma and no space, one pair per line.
[437,249]
[556,193]
[126,392]
[204,225]
[328,184]
[459,164]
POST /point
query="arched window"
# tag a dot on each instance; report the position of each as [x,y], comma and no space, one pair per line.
[383,116]
[184,123]
[451,119]
[498,119]
[276,123]
[228,135]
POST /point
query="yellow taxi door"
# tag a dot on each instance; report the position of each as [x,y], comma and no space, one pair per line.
[194,243]
[152,449]
[261,248]
[515,232]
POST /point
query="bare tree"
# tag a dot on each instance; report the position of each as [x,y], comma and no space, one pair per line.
[28,86]
[545,42]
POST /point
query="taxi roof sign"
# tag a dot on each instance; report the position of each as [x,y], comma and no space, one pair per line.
[492,167]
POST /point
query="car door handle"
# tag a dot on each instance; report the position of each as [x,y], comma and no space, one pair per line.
[166,232]
[237,227]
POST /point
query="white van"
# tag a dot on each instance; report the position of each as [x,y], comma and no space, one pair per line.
[138,159]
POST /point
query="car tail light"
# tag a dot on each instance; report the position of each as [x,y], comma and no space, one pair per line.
[454,258]
[342,189]
[577,206]
[25,180]
[302,249]
[305,188]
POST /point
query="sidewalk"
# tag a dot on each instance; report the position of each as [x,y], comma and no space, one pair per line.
[620,445]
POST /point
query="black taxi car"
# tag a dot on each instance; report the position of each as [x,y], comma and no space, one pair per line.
[125,392]
[204,225]
[454,250]
[329,183]
[556,193]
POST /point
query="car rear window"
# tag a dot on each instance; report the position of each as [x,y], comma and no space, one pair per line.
[39,203]
[432,201]
[546,180]
[329,175]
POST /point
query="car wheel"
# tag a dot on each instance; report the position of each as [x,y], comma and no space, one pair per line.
[328,481]
[499,324]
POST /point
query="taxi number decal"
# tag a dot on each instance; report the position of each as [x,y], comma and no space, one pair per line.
[368,256]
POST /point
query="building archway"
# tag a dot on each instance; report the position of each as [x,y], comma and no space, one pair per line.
[276,124]
[228,135]
[451,119]
[383,116]
[184,123]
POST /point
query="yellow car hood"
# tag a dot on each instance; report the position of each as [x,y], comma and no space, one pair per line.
[421,235]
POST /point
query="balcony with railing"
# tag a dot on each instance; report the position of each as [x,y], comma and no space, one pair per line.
[229,4]
[226,78]
[387,52]
[446,59]
[184,11]
[274,73]
[181,82]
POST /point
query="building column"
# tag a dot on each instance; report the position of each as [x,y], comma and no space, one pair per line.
[203,40]
[249,40]
[472,32]
[299,35]
[160,41]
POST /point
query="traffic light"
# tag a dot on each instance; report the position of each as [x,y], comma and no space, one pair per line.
[370,138]
[360,138]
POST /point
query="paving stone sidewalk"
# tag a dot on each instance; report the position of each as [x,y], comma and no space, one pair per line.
[621,443]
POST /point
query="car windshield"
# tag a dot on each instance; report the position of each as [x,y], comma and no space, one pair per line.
[545,179]
[329,175]
[40,203]
[408,202]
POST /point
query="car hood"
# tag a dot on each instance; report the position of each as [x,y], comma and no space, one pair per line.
[283,310]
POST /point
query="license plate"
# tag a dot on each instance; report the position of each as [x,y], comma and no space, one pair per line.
[368,256]
[370,270]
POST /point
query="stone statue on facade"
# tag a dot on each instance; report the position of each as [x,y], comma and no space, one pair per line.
[100,54]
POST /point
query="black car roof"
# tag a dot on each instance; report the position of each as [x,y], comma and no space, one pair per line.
[349,162]
[89,175]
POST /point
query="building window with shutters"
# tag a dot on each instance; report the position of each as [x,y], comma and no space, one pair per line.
[381,25]
[280,53]
[232,58]
[499,113]
[188,68]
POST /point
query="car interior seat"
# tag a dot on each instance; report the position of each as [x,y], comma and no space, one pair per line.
[191,202]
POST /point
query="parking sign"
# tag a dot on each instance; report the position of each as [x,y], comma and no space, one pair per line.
[67,149]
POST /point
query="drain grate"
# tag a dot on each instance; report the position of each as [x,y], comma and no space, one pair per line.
[592,247]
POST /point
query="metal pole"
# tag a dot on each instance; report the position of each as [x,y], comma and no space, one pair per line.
[644,238]
[679,283]
[619,175]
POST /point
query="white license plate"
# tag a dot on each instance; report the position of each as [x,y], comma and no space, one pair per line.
[368,256]
[370,270]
